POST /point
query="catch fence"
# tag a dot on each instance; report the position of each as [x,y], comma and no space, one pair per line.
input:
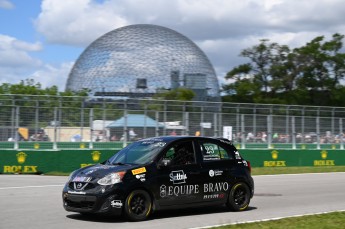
[54,122]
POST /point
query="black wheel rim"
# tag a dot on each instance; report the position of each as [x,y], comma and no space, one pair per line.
[138,204]
[240,196]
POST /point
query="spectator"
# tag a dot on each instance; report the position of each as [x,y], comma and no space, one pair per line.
[132,134]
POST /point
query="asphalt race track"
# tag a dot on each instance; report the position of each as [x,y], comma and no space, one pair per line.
[33,201]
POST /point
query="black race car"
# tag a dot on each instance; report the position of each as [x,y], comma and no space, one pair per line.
[162,173]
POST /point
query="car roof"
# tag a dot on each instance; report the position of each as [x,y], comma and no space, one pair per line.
[169,139]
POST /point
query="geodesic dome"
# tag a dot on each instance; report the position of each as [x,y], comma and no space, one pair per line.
[139,59]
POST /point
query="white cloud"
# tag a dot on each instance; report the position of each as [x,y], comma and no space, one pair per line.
[5,4]
[16,54]
[50,75]
[77,22]
[17,63]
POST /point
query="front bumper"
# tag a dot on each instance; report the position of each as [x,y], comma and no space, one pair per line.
[110,202]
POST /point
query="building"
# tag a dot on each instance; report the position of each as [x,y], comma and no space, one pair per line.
[141,60]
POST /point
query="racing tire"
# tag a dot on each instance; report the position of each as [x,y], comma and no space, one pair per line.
[239,197]
[138,205]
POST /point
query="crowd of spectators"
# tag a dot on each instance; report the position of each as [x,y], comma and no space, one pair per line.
[262,137]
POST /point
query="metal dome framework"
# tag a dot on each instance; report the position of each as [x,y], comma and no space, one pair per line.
[139,59]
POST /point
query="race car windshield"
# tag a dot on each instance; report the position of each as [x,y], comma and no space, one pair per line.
[140,152]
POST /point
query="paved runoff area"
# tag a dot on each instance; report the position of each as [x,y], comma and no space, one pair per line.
[34,201]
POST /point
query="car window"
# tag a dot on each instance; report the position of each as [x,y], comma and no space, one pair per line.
[180,154]
[213,152]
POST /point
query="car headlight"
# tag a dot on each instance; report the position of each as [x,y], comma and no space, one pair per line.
[111,178]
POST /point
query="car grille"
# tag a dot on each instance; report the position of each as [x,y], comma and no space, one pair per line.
[78,186]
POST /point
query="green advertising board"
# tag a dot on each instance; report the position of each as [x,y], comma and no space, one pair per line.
[283,158]
[40,161]
[44,161]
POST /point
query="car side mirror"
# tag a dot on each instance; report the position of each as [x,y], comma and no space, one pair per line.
[164,163]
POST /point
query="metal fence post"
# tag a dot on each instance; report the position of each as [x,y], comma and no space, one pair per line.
[157,123]
[145,123]
[36,117]
[293,129]
[187,123]
[287,125]
[341,134]
[215,130]
[269,131]
[165,117]
[91,128]
[82,121]
[243,141]
[125,128]
[201,125]
[16,135]
[318,132]
[55,129]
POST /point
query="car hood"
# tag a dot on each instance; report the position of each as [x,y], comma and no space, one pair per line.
[99,170]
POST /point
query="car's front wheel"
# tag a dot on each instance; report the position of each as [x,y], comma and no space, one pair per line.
[138,205]
[239,197]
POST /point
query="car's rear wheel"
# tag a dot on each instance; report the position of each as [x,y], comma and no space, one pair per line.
[239,197]
[138,205]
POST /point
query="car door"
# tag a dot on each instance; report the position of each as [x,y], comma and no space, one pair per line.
[216,170]
[179,180]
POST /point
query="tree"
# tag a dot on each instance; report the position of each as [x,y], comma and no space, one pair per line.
[309,75]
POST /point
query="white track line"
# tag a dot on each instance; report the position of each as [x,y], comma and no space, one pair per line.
[40,186]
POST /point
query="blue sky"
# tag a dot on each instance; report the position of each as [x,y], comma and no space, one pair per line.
[41,39]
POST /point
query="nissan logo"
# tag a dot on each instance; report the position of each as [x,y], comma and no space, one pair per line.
[79,185]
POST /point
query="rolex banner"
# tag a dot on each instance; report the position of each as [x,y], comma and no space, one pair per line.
[65,161]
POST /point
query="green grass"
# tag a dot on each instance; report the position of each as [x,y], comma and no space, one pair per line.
[320,221]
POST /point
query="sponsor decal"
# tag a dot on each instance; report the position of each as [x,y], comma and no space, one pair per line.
[213,173]
[161,144]
[324,162]
[224,141]
[163,190]
[139,170]
[178,190]
[209,149]
[178,177]
[20,169]
[141,177]
[81,179]
[214,196]
[274,163]
[90,171]
[209,190]
[237,155]
[21,158]
[96,155]
[116,203]
[216,187]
